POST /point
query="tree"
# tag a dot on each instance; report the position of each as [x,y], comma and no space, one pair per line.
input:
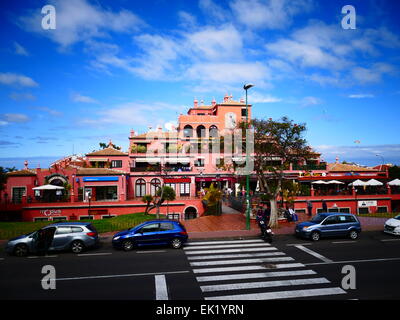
[3,177]
[147,198]
[394,172]
[277,144]
[166,193]
[212,199]
[105,145]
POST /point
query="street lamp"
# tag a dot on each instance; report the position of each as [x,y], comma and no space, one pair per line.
[247,87]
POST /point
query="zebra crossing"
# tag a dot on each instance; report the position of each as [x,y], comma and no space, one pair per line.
[252,270]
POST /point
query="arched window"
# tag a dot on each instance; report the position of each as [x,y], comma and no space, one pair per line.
[188,131]
[201,131]
[155,184]
[140,188]
[213,131]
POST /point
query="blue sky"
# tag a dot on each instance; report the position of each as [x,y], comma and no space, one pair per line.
[110,66]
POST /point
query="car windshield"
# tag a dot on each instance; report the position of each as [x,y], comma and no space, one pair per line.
[317,219]
[397,217]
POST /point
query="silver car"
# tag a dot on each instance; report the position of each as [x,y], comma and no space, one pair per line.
[73,236]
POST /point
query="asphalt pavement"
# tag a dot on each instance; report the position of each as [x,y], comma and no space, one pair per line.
[236,268]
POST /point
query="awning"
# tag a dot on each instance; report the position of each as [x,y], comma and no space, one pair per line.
[395,182]
[373,182]
[319,182]
[150,160]
[48,187]
[358,183]
[98,159]
[177,160]
[177,180]
[334,182]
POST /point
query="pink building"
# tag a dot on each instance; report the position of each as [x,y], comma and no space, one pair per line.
[201,150]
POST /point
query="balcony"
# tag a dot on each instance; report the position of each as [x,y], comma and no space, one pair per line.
[309,167]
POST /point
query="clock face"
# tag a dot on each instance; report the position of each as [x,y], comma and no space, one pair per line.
[230,120]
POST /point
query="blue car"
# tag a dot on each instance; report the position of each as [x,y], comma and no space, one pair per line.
[329,224]
[156,232]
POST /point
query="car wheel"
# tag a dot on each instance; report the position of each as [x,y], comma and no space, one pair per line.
[21,250]
[176,243]
[127,245]
[77,246]
[315,236]
[353,234]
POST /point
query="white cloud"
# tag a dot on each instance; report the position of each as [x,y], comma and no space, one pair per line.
[17,79]
[76,97]
[372,74]
[7,118]
[78,20]
[20,50]
[262,98]
[269,14]
[310,101]
[213,11]
[361,96]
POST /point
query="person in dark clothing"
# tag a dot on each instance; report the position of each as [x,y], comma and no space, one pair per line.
[40,244]
[309,207]
[48,239]
[324,206]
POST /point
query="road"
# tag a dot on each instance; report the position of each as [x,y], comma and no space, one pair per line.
[289,268]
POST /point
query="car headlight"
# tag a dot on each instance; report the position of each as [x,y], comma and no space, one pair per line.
[116,238]
[306,227]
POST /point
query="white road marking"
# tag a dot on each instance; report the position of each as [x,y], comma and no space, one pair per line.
[240,255]
[281,294]
[244,245]
[161,287]
[390,240]
[36,257]
[121,275]
[222,242]
[238,261]
[338,242]
[300,244]
[353,261]
[94,254]
[256,275]
[263,284]
[230,250]
[247,268]
[313,253]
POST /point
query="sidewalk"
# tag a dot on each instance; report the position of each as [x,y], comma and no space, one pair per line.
[234,225]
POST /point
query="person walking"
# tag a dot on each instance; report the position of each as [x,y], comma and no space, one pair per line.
[309,207]
[324,206]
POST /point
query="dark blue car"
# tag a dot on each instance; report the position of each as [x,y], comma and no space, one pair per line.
[329,224]
[156,232]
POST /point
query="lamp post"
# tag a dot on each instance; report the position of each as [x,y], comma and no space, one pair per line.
[247,87]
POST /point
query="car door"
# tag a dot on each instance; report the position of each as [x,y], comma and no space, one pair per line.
[148,235]
[167,232]
[344,224]
[329,226]
[62,238]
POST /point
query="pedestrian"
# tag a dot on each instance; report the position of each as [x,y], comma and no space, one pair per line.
[324,206]
[48,238]
[309,208]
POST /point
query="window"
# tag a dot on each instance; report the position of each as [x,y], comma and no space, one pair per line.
[140,188]
[350,219]
[59,219]
[150,228]
[40,219]
[244,112]
[63,230]
[213,131]
[188,131]
[76,229]
[199,163]
[165,226]
[172,185]
[18,193]
[155,184]
[331,220]
[86,218]
[116,164]
[382,209]
[185,189]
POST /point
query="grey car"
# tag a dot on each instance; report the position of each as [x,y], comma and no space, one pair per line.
[73,236]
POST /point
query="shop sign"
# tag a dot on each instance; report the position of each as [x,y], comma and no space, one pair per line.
[50,212]
[367,203]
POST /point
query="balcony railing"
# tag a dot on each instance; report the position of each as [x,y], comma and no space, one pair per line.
[310,167]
